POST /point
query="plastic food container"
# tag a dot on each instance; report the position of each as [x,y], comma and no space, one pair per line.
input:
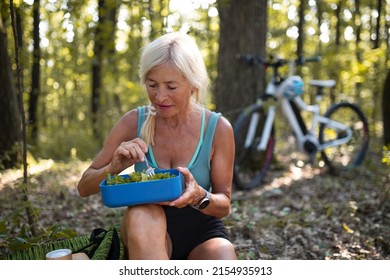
[153,191]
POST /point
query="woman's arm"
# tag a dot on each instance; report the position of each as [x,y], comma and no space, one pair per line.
[121,150]
[222,164]
[222,160]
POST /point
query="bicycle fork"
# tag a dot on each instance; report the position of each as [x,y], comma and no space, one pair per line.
[266,132]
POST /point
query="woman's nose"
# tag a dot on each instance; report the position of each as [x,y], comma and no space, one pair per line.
[161,94]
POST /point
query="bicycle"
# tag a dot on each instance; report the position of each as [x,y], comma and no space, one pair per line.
[343,134]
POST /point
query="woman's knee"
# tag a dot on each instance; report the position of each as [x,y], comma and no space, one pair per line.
[141,220]
[214,249]
[144,232]
[144,213]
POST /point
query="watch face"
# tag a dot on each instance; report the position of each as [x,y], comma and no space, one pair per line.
[204,204]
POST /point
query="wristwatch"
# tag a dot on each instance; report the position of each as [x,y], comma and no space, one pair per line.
[204,202]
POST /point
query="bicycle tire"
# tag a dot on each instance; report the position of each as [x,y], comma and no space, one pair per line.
[345,157]
[250,165]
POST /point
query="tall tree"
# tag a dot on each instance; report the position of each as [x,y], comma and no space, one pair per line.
[35,75]
[104,40]
[386,110]
[338,12]
[358,29]
[301,33]
[10,124]
[15,28]
[319,5]
[243,27]
[377,36]
[156,11]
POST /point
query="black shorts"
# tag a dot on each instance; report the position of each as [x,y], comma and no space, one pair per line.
[188,227]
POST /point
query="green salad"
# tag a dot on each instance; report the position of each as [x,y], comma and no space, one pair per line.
[136,177]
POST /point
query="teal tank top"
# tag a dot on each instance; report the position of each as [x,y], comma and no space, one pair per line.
[199,165]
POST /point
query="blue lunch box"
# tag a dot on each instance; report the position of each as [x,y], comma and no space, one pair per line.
[136,193]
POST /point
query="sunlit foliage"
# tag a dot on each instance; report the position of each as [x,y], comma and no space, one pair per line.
[338,31]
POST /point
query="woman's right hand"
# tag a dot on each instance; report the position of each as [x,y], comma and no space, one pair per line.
[127,154]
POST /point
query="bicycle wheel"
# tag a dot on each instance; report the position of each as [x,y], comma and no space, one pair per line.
[251,165]
[349,155]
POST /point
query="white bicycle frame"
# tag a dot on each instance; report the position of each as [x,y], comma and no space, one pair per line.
[274,90]
[316,120]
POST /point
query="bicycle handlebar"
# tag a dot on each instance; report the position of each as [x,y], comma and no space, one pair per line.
[256,60]
[250,59]
[302,60]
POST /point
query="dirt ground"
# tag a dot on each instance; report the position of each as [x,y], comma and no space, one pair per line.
[299,213]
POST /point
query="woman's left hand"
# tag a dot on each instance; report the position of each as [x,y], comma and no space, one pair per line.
[192,194]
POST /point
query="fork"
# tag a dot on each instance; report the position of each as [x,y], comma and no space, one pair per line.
[150,170]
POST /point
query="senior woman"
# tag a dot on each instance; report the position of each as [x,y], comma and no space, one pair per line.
[173,131]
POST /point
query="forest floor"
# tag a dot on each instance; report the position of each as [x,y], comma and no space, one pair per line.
[299,213]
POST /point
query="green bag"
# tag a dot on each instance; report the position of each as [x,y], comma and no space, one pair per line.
[101,244]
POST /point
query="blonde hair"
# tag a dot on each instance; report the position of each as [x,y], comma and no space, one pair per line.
[183,53]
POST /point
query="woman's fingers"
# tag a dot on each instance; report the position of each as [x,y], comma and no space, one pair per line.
[134,149]
[127,154]
[141,144]
[192,191]
[186,173]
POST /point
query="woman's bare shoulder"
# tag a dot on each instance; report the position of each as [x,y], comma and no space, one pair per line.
[126,126]
[130,117]
[224,125]
[224,129]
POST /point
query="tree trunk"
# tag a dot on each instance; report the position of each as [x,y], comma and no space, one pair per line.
[155,11]
[301,32]
[103,36]
[243,28]
[358,29]
[386,110]
[10,124]
[35,78]
[17,39]
[338,23]
[376,40]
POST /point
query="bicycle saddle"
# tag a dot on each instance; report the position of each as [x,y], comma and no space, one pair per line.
[322,83]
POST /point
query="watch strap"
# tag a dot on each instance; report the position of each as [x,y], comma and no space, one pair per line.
[204,201]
